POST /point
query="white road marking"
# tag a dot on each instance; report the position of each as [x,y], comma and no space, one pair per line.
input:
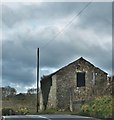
[44,117]
[38,116]
[27,116]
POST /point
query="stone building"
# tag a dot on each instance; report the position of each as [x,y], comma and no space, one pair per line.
[72,85]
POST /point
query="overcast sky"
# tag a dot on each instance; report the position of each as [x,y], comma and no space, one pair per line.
[61,34]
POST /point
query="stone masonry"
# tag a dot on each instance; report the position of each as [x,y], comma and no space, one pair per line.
[73,85]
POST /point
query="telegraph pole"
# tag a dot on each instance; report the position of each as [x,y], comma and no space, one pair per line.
[37,78]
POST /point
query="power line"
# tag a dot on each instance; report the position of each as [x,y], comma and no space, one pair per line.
[67,25]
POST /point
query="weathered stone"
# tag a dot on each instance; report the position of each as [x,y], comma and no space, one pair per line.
[60,89]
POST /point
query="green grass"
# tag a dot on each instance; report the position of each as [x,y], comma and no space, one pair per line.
[18,102]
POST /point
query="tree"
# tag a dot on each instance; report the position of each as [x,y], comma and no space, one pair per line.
[8,91]
[32,91]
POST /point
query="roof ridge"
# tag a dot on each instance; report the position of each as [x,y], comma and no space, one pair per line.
[81,58]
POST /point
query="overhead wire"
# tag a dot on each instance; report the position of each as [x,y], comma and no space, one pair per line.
[68,24]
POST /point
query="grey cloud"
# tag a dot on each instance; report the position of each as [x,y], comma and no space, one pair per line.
[55,54]
[98,16]
[14,72]
[9,16]
[18,53]
[69,49]
[19,49]
[46,12]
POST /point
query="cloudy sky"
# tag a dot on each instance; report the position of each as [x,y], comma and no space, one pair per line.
[64,31]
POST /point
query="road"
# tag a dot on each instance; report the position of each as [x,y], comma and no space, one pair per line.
[47,117]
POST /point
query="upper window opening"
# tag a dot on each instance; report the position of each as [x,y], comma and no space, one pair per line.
[80,79]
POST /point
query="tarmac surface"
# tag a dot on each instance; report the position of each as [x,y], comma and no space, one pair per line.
[47,117]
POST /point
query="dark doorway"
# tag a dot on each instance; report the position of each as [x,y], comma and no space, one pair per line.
[80,79]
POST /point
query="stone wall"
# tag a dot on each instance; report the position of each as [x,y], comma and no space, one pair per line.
[52,101]
[67,91]
[60,89]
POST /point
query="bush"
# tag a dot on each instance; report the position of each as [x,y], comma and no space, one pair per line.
[23,111]
[100,107]
[85,110]
[8,111]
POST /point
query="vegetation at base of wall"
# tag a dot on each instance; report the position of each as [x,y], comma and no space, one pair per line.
[100,107]
[54,111]
[48,111]
[23,110]
[10,111]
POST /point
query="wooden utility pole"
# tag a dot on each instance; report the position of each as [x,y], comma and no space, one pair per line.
[37,79]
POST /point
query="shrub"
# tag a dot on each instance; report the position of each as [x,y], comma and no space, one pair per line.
[85,110]
[23,111]
[100,107]
[8,111]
